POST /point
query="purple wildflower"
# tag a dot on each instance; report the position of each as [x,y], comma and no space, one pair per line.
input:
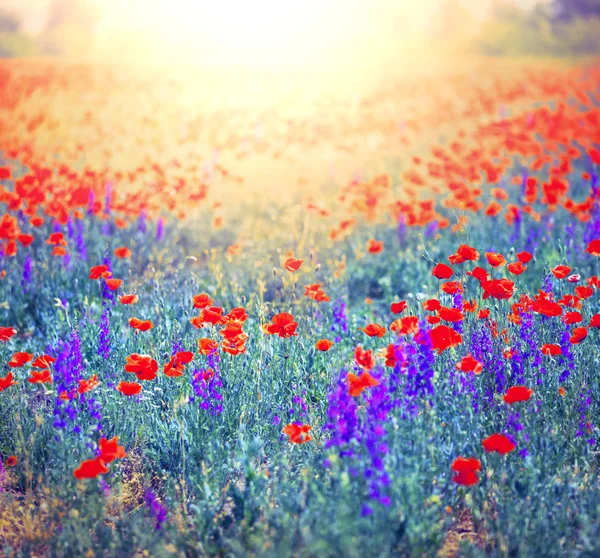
[104,338]
[156,508]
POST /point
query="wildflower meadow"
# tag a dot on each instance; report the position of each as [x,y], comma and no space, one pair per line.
[367,328]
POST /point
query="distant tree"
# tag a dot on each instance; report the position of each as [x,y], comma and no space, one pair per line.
[12,41]
[9,22]
[567,10]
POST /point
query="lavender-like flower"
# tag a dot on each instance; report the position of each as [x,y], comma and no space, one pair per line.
[340,320]
[142,226]
[206,383]
[26,276]
[160,229]
[156,508]
[107,294]
[104,337]
[361,441]
[567,356]
[80,240]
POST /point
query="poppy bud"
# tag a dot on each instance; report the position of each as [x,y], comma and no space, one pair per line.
[243,298]
[311,255]
[274,272]
[317,268]
[511,251]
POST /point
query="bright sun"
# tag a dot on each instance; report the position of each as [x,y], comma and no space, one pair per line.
[256,32]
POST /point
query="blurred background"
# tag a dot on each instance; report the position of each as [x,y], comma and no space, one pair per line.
[310,34]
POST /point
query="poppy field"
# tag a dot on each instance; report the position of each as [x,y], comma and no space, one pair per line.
[345,325]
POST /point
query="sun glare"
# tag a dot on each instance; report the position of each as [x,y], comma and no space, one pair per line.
[258,33]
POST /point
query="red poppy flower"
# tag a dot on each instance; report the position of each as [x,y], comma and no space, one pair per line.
[593,247]
[467,252]
[466,478]
[432,305]
[500,289]
[393,356]
[11,461]
[142,325]
[357,384]
[517,394]
[323,345]
[561,271]
[364,358]
[455,259]
[551,349]
[524,257]
[212,315]
[206,346]
[99,271]
[19,359]
[311,290]
[6,333]
[469,364]
[578,335]
[43,361]
[111,450]
[56,239]
[572,318]
[283,325]
[292,264]
[498,443]
[466,464]
[595,321]
[143,366]
[88,385]
[374,246]
[129,388]
[129,298]
[237,315]
[298,433]
[547,308]
[172,369]
[40,377]
[483,313]
[516,268]
[122,252]
[444,337]
[442,271]
[495,259]
[584,292]
[90,469]
[450,314]
[409,325]
[25,239]
[452,287]
[398,307]
[6,382]
[202,300]
[479,273]
[113,284]
[374,330]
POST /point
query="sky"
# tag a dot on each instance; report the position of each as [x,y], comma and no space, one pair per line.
[246,32]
